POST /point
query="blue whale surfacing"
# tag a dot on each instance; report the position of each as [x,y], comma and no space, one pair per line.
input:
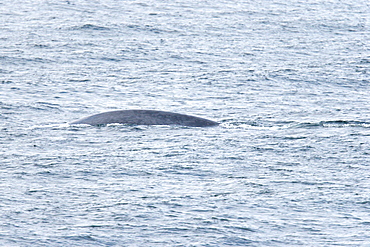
[145,117]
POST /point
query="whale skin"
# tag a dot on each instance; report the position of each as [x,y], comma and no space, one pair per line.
[145,117]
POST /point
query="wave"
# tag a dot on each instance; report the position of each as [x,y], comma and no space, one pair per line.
[334,124]
[90,27]
[293,124]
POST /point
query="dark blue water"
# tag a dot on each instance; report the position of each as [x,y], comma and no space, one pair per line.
[288,166]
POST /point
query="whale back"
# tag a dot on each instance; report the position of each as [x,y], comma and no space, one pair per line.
[145,117]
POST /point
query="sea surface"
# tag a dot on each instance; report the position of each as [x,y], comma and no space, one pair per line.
[288,80]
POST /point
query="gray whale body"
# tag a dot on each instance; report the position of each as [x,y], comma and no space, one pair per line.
[145,117]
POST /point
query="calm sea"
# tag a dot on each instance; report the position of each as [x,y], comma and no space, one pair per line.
[288,80]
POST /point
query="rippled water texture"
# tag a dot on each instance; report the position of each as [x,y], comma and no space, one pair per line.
[287,80]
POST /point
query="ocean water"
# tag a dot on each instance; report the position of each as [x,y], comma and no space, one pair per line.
[288,81]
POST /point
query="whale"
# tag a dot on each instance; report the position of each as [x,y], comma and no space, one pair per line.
[145,117]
